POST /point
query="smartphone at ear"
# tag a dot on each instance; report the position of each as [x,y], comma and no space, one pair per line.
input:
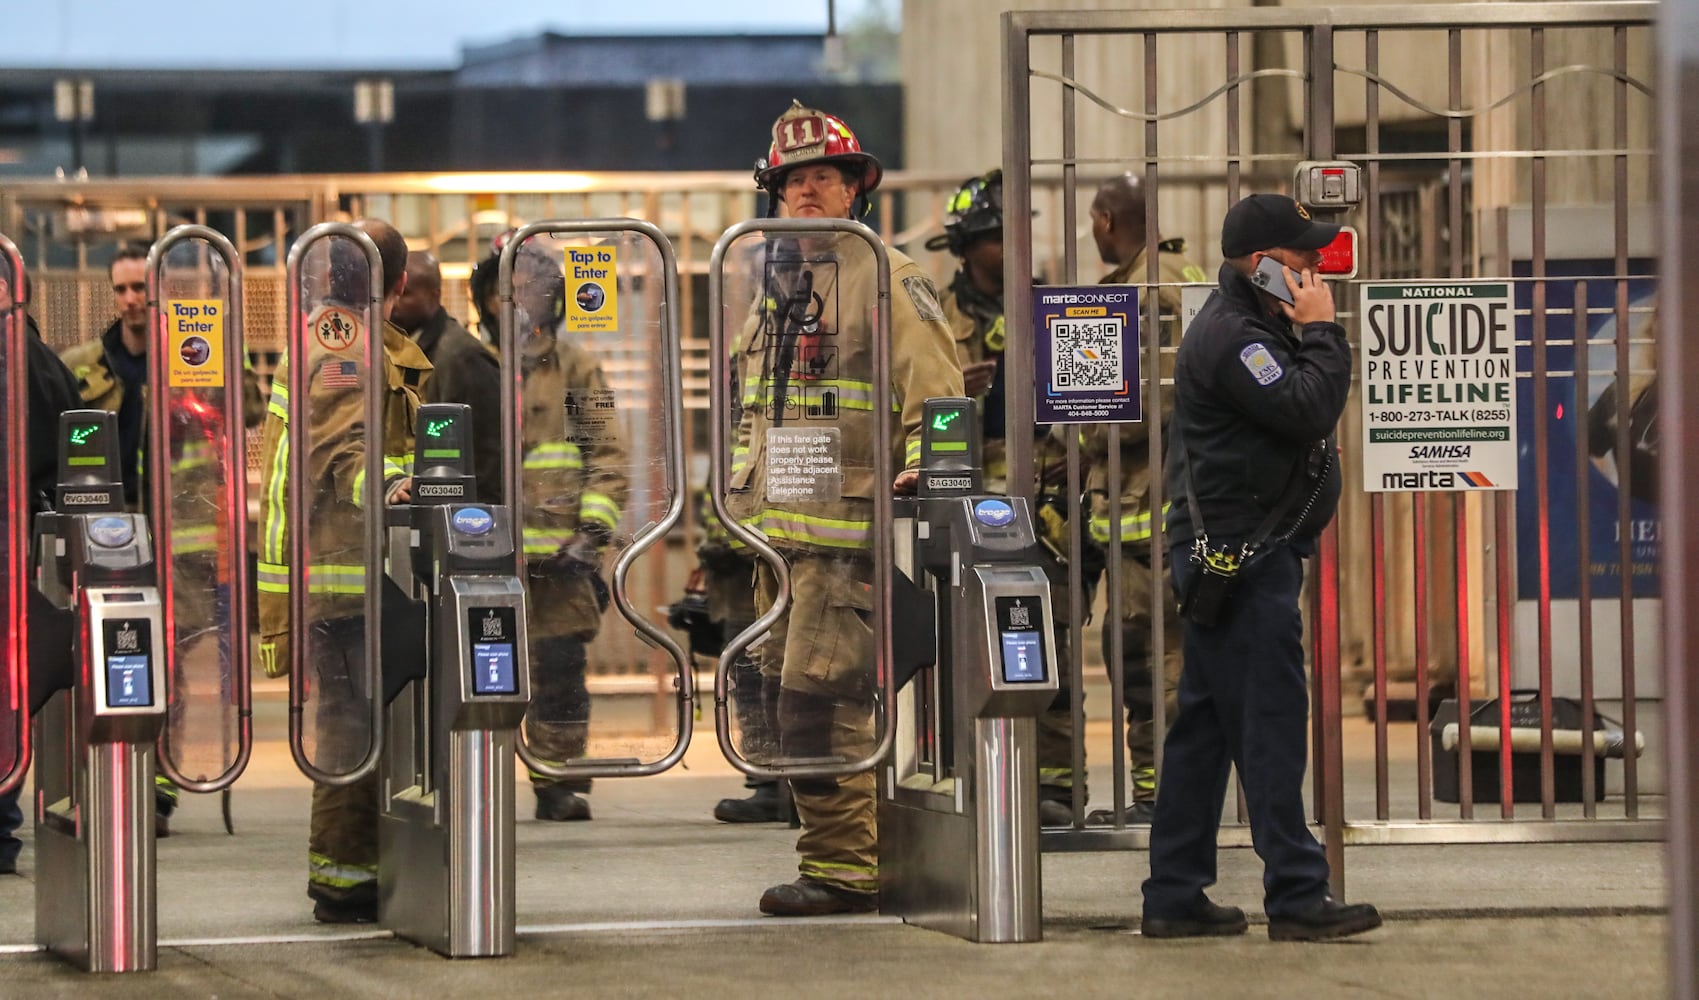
[1270,276]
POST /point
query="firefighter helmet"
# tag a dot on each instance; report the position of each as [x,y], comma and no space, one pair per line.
[806,135]
[975,210]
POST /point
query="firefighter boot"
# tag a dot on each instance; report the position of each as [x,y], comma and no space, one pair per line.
[770,803]
[560,803]
[808,898]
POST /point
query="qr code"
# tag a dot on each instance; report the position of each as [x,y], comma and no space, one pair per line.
[1020,618]
[1086,354]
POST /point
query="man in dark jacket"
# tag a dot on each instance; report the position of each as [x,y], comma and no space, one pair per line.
[52,391]
[1260,382]
[463,370]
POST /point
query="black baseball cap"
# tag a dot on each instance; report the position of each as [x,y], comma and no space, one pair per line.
[1266,221]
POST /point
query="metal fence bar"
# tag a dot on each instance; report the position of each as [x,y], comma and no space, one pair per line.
[1584,545]
[1630,708]
[1537,51]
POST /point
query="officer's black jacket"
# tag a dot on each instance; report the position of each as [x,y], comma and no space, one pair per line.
[1254,406]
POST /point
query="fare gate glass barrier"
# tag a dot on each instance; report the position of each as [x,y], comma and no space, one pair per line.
[20,503]
[806,438]
[597,479]
[204,399]
[330,474]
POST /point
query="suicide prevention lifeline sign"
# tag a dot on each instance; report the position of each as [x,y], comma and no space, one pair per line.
[1438,386]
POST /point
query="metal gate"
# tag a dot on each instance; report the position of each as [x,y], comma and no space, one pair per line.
[1522,156]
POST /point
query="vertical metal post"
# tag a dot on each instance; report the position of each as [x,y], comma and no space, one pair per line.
[122,900]
[1625,551]
[1460,519]
[1017,241]
[1076,585]
[1537,61]
[1678,413]
[1377,502]
[1330,748]
[1010,902]
[1583,546]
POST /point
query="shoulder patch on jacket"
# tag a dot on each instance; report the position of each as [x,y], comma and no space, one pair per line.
[925,298]
[1261,364]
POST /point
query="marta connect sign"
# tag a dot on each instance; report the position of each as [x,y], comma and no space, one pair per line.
[1439,386]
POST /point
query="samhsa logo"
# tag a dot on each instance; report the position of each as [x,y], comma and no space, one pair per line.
[1440,451]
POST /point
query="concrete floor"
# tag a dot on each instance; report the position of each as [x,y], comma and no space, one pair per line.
[654,898]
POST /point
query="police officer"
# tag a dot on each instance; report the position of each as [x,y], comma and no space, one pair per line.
[1119,228]
[52,391]
[1260,382]
[805,357]
[576,479]
[342,845]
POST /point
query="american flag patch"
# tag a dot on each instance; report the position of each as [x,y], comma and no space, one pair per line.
[340,375]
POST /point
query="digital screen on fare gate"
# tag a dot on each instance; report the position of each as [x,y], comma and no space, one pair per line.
[493,642]
[85,445]
[129,663]
[1019,624]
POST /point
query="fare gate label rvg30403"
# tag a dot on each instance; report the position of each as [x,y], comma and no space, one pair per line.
[1439,386]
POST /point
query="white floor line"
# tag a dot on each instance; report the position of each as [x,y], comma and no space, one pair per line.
[373,934]
[612,926]
[674,925]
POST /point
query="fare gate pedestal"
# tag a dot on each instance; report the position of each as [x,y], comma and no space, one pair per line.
[958,808]
[446,832]
[94,832]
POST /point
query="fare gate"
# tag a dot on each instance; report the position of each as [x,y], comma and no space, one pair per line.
[910,643]
[1431,601]
[443,615]
[133,633]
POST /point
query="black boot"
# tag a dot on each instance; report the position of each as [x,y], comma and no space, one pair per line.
[560,804]
[808,898]
[771,803]
[1328,918]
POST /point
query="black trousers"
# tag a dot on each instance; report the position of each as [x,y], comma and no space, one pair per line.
[1244,701]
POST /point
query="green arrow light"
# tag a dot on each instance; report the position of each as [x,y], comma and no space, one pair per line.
[942,421]
[80,435]
[435,428]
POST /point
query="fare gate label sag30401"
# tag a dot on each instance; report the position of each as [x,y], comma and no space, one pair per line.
[1439,386]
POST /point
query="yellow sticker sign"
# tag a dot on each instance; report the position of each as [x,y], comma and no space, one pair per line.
[592,289]
[194,331]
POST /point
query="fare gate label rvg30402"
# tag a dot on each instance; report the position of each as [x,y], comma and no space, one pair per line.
[1439,386]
